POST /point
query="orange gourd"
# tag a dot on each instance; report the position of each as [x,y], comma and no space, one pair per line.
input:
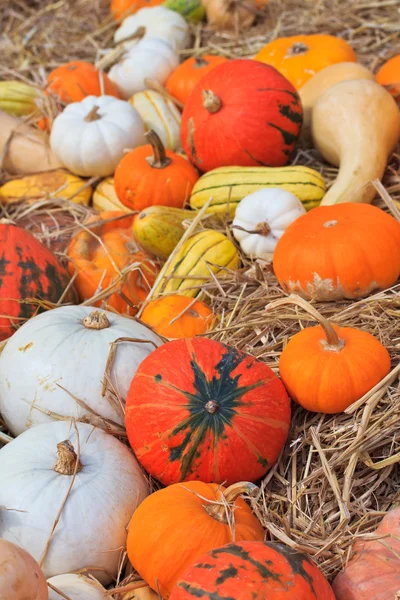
[150,175]
[100,256]
[389,75]
[177,316]
[326,368]
[75,80]
[299,57]
[185,77]
[120,9]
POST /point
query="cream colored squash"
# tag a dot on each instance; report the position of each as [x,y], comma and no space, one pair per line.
[105,198]
[76,587]
[161,115]
[355,125]
[21,578]
[143,593]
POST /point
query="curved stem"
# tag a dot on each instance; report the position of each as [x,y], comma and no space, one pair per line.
[96,320]
[230,495]
[159,160]
[67,459]
[261,229]
[211,101]
[93,115]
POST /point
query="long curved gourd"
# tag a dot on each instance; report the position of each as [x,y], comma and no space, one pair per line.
[355,126]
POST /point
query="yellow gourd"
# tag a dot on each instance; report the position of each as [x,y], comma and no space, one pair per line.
[58,184]
[17,98]
[355,125]
[158,229]
[143,593]
[105,197]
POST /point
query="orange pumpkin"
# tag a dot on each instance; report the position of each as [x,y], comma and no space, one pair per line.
[326,368]
[299,57]
[120,9]
[151,175]
[75,80]
[173,527]
[177,316]
[100,256]
[389,75]
[186,76]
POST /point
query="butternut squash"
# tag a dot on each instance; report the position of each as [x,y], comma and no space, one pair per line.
[355,126]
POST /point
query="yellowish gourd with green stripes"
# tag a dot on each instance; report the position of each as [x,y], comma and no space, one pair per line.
[229,185]
[17,98]
[158,229]
[202,254]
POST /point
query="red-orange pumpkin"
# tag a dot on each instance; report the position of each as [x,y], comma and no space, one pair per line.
[187,75]
[253,571]
[75,80]
[242,113]
[197,409]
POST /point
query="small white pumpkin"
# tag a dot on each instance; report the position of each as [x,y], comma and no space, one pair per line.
[21,578]
[69,347]
[36,471]
[90,137]
[157,22]
[76,587]
[105,197]
[161,115]
[151,58]
[262,217]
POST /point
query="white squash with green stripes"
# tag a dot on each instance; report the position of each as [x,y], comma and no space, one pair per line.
[161,115]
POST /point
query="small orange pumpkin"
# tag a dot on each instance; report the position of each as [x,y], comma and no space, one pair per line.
[389,75]
[120,9]
[151,175]
[326,368]
[99,255]
[75,80]
[177,316]
[185,77]
[299,57]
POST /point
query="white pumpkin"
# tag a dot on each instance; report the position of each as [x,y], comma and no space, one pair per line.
[36,471]
[90,137]
[161,115]
[76,587]
[262,217]
[69,347]
[151,58]
[21,578]
[156,22]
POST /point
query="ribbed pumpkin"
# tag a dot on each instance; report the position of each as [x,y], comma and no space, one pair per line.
[120,9]
[186,76]
[158,229]
[246,91]
[189,521]
[75,80]
[222,416]
[57,184]
[253,571]
[177,316]
[30,275]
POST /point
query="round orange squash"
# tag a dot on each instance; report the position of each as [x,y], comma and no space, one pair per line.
[120,9]
[177,316]
[342,251]
[75,80]
[299,57]
[389,75]
[150,175]
[186,76]
[173,527]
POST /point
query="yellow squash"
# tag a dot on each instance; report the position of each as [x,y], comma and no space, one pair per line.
[202,254]
[232,184]
[158,229]
[105,198]
[58,184]
[17,98]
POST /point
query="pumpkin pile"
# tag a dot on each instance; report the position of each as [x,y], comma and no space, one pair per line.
[115,369]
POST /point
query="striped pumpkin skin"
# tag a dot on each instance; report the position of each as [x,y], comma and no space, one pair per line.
[222,416]
[159,114]
[28,270]
[253,571]
[229,185]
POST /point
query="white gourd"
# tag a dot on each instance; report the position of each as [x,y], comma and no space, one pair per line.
[161,115]
[36,471]
[21,578]
[75,587]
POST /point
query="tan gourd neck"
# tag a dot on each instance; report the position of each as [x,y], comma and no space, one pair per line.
[159,160]
[93,115]
[67,462]
[260,229]
[96,320]
[218,511]
[211,102]
[297,49]
[332,343]
[199,62]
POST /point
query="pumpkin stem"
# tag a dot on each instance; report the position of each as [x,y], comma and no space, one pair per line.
[96,320]
[261,229]
[219,511]
[333,342]
[297,49]
[199,62]
[211,101]
[67,463]
[159,160]
[93,115]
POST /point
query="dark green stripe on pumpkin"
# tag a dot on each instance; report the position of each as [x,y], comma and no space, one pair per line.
[239,552]
[288,137]
[296,560]
[294,116]
[200,593]
[225,574]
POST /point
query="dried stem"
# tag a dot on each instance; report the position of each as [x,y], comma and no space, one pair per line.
[159,160]
[218,510]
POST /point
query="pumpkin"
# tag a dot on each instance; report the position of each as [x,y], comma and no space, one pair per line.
[151,175]
[106,259]
[357,360]
[389,75]
[194,517]
[120,9]
[158,229]
[262,217]
[56,184]
[151,58]
[17,98]
[30,277]
[299,57]
[65,357]
[202,255]
[20,575]
[177,316]
[192,10]
[230,15]
[108,487]
[186,76]
[318,258]
[90,137]
[76,80]
[269,126]
[155,22]
[222,416]
[105,198]
[75,587]
[253,570]
[160,115]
